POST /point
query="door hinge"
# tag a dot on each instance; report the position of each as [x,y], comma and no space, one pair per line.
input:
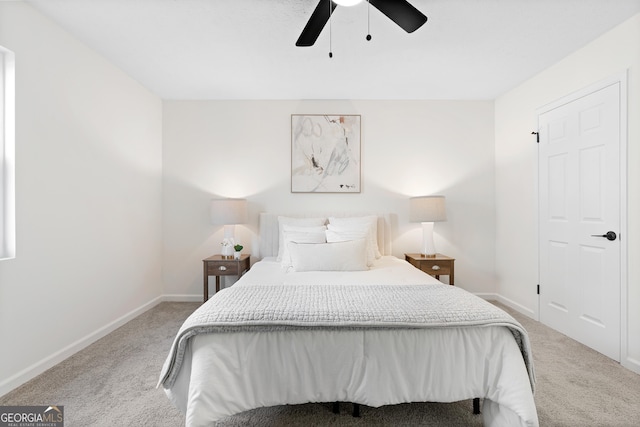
[537,134]
[538,289]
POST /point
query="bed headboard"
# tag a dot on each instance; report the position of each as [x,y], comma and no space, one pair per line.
[268,232]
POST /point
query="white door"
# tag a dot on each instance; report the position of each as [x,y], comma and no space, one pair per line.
[579,191]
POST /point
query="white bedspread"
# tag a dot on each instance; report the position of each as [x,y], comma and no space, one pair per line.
[437,343]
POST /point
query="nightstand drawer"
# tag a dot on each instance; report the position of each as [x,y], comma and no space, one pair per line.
[218,266]
[223,268]
[435,267]
[438,265]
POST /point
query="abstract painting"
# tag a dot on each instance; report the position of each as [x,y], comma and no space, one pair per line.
[325,153]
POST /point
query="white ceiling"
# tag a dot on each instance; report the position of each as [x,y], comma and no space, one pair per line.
[245,49]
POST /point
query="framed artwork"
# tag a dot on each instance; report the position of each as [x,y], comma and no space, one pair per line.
[325,153]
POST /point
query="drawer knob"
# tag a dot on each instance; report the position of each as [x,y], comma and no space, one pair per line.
[222,268]
[435,267]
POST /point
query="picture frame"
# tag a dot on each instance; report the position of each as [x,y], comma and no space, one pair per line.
[325,153]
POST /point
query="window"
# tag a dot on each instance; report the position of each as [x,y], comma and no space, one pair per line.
[7,155]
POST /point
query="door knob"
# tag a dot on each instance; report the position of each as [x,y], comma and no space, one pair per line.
[610,235]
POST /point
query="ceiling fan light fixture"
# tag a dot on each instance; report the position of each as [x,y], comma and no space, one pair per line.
[399,11]
[347,2]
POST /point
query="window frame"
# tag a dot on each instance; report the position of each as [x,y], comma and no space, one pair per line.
[7,155]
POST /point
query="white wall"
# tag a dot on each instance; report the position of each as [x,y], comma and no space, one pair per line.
[242,149]
[88,150]
[516,169]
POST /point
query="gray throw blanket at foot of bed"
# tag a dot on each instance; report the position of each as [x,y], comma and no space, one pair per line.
[278,307]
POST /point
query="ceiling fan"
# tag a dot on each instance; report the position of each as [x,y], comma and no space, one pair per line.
[399,11]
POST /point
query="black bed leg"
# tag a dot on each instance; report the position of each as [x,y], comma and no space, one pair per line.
[476,405]
[356,410]
[336,408]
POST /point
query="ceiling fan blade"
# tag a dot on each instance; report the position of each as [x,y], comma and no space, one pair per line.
[402,13]
[316,23]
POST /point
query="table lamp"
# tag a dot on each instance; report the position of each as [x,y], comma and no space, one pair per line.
[427,210]
[229,212]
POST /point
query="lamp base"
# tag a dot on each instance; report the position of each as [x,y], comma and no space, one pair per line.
[229,232]
[428,247]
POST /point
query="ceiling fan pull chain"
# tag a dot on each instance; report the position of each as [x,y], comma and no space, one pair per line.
[368,20]
[330,15]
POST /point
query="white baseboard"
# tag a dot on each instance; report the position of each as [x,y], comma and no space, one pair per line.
[631,364]
[509,303]
[182,298]
[518,307]
[487,296]
[37,368]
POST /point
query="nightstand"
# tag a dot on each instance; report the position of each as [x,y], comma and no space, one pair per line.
[436,265]
[218,265]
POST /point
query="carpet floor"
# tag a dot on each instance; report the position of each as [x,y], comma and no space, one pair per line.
[112,383]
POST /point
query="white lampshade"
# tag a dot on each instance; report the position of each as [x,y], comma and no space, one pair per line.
[228,211]
[427,210]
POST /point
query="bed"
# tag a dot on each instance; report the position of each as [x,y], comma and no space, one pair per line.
[342,321]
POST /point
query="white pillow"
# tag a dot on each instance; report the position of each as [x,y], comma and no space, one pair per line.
[370,220]
[296,236]
[339,256]
[340,234]
[299,222]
